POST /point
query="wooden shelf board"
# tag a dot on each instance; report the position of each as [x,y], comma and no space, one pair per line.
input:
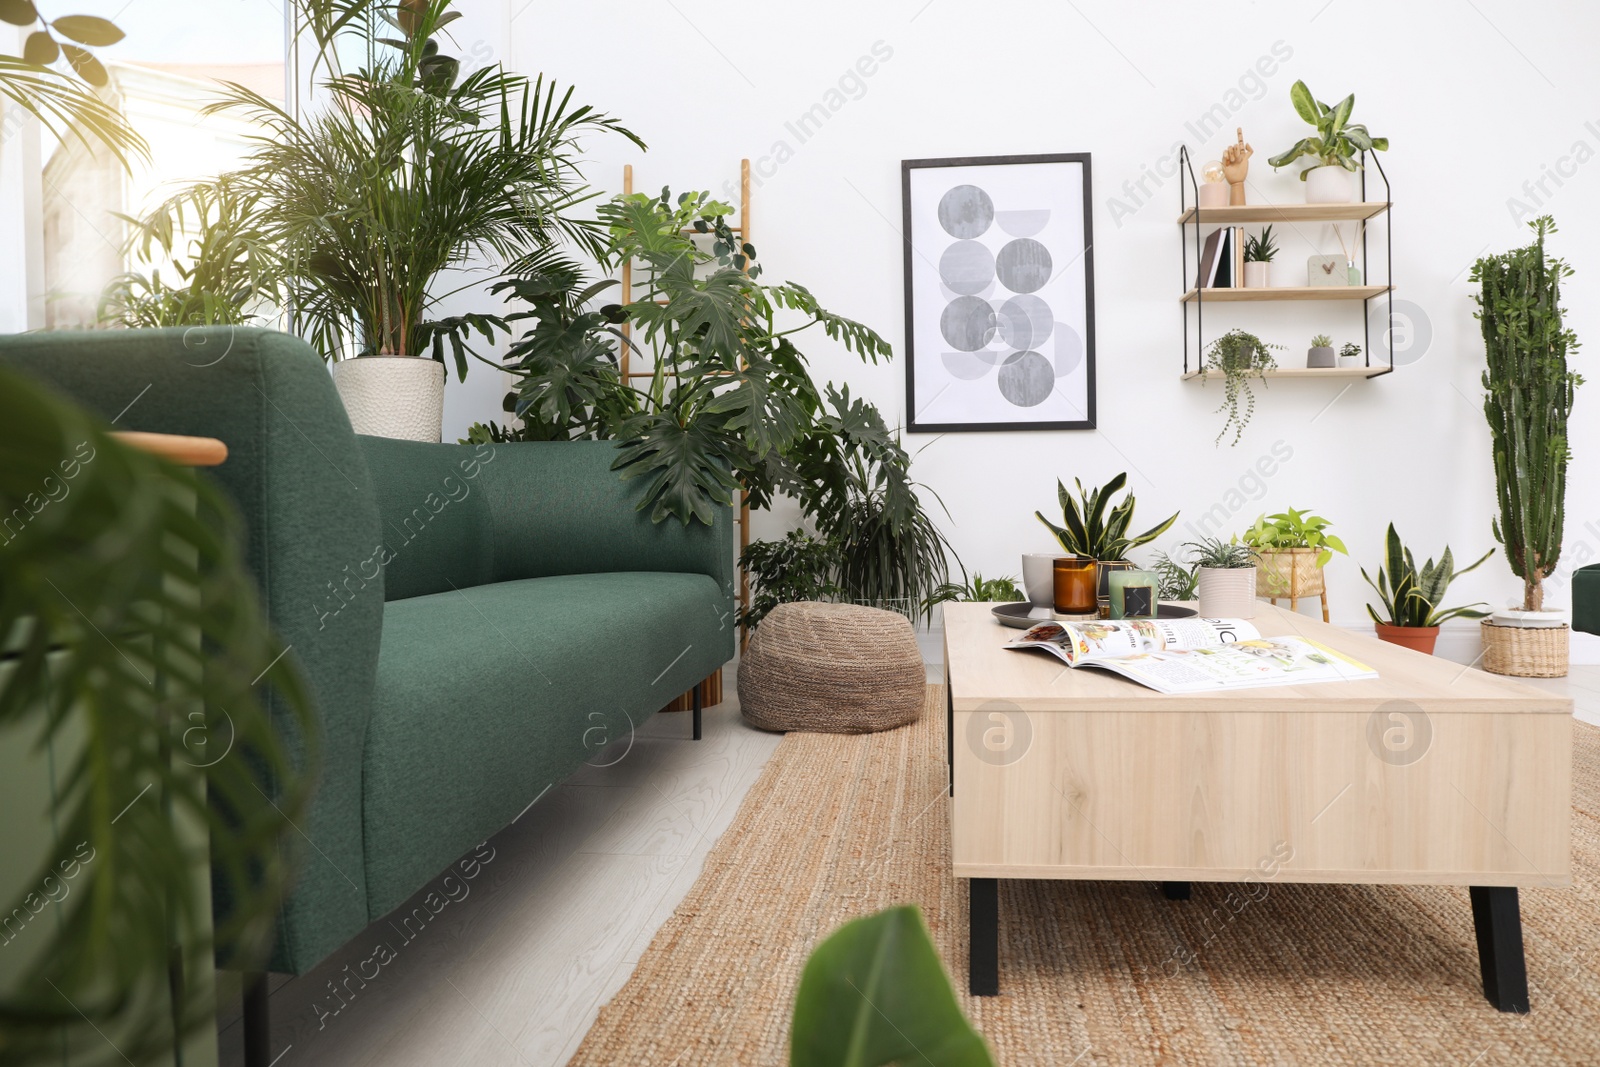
[1284,213]
[1314,372]
[1288,292]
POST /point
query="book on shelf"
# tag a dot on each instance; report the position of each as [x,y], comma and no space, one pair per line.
[1206,269]
[1222,276]
[1192,655]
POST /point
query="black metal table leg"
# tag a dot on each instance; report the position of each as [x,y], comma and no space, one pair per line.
[950,730]
[1498,922]
[1175,890]
[983,937]
[697,711]
[257,1025]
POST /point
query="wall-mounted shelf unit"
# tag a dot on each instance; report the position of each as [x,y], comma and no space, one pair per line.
[1362,210]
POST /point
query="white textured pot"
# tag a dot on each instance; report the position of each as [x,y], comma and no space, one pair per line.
[1349,361]
[393,396]
[1329,185]
[1255,275]
[1227,592]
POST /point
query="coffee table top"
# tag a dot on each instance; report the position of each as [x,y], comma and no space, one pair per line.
[982,670]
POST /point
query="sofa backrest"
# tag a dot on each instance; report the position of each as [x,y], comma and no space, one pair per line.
[463,515]
[302,489]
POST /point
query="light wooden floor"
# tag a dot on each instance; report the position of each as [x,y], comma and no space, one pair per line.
[514,973]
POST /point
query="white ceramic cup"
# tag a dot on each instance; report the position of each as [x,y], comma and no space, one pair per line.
[1039,577]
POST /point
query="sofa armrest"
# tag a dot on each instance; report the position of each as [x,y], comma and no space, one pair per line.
[302,489]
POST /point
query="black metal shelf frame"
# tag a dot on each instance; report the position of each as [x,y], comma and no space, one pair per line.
[1187,165]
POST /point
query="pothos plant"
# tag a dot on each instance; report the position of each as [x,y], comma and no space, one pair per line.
[1238,356]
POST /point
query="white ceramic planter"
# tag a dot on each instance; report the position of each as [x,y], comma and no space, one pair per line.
[1255,275]
[1349,361]
[1227,592]
[392,396]
[1329,185]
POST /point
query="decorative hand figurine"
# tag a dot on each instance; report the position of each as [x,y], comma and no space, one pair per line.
[1236,164]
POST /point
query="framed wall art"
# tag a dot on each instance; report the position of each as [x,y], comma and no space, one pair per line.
[999,264]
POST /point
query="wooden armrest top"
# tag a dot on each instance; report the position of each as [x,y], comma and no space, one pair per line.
[188,451]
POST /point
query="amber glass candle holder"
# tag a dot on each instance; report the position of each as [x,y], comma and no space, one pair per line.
[1076,586]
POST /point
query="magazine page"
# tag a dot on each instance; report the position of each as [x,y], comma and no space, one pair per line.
[1246,664]
[1096,640]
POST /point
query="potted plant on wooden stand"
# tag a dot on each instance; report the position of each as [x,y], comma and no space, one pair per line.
[1528,398]
[1089,531]
[1411,596]
[1292,547]
[1237,356]
[1225,578]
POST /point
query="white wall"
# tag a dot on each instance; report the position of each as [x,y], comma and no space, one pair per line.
[1477,99]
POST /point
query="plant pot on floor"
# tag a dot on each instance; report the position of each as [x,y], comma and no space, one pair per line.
[1320,356]
[1288,572]
[1417,638]
[392,396]
[1329,185]
[1255,275]
[1227,592]
[1525,651]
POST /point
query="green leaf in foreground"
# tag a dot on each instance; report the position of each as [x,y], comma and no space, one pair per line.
[875,993]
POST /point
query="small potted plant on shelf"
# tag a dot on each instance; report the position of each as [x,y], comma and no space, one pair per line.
[1225,578]
[1529,399]
[1292,547]
[1411,596]
[1238,356]
[1335,147]
[1350,355]
[1259,252]
[1089,531]
[1320,354]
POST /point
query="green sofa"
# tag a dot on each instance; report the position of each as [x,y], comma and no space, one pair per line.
[473,621]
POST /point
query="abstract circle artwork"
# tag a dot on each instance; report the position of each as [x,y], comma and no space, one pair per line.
[1003,248]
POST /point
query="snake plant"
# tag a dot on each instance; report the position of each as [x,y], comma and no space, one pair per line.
[1528,393]
[1411,594]
[1091,531]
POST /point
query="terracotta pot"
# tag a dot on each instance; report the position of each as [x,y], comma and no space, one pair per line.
[1227,592]
[1417,638]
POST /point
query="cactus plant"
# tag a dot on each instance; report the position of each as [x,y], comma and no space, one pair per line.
[1528,394]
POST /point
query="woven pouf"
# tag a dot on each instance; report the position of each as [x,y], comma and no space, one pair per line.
[831,668]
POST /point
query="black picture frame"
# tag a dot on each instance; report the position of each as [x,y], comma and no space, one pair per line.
[912,425]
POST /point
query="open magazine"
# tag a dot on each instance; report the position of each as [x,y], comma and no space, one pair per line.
[1192,655]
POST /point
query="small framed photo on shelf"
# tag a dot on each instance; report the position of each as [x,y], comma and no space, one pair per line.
[999,284]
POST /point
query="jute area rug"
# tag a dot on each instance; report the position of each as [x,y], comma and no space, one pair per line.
[1106,973]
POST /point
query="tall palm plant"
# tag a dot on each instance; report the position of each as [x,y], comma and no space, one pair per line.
[408,169]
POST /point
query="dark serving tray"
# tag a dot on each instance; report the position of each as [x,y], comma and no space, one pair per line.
[1017,613]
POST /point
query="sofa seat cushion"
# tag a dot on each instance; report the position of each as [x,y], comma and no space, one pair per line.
[486,696]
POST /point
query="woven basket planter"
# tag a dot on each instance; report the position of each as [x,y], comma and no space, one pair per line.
[831,668]
[1289,572]
[1525,651]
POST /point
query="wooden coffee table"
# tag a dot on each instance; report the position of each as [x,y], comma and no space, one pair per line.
[1432,774]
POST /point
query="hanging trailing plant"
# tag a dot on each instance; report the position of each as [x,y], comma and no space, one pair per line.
[1238,356]
[1528,393]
